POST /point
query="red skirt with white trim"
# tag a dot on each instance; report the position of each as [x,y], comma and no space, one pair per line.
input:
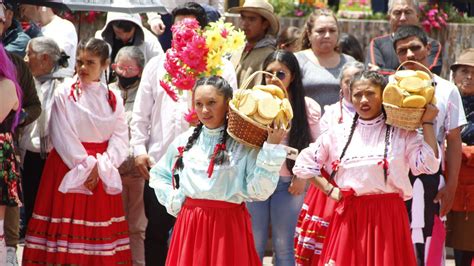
[210,232]
[371,230]
[312,226]
[73,228]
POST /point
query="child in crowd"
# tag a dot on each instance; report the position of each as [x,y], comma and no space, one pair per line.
[369,163]
[204,179]
[80,218]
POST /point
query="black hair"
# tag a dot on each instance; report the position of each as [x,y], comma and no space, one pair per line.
[191,9]
[300,133]
[124,25]
[379,80]
[11,5]
[95,46]
[100,49]
[408,31]
[374,77]
[221,156]
[348,44]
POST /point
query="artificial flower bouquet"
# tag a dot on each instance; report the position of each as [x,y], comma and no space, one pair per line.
[197,53]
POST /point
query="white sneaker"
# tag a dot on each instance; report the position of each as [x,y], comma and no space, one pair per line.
[11,257]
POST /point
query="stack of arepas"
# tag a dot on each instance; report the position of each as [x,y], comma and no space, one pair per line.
[253,111]
[406,96]
[412,89]
[265,104]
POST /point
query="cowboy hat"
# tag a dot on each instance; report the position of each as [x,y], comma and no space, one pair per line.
[465,59]
[264,9]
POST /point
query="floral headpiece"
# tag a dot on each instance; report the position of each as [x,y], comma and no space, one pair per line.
[197,53]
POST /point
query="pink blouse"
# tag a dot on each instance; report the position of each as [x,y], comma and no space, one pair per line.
[89,119]
[333,116]
[361,168]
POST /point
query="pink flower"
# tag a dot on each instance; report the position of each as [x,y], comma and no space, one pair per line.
[436,25]
[299,13]
[195,53]
[191,117]
[166,86]
[224,33]
[184,81]
[426,25]
[172,62]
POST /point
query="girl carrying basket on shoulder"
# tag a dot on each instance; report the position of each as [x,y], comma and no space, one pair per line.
[204,179]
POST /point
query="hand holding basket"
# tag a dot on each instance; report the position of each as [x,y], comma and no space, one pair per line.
[404,100]
[253,111]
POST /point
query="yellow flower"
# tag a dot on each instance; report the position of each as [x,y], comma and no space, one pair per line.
[214,40]
[235,41]
[214,60]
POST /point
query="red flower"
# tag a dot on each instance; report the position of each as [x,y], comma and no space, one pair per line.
[195,54]
[184,81]
[191,117]
[224,33]
[172,62]
[166,86]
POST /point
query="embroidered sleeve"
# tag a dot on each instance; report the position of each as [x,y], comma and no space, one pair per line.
[420,155]
[311,160]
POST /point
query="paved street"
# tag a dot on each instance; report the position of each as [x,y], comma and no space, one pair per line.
[267,261]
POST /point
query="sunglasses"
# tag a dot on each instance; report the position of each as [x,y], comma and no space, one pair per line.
[280,74]
[125,69]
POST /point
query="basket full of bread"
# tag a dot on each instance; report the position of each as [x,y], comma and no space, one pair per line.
[253,110]
[405,97]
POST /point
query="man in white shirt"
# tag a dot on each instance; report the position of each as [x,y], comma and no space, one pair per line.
[161,24]
[156,121]
[411,43]
[60,30]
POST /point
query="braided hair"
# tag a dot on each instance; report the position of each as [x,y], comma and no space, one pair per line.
[378,80]
[220,155]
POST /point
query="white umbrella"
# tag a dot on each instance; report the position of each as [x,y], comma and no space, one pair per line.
[128,6]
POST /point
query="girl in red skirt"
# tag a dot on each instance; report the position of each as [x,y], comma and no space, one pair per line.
[204,179]
[316,212]
[78,217]
[369,162]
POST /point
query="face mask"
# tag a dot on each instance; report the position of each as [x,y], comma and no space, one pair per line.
[127,82]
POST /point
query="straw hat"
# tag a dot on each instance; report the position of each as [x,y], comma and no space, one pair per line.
[465,59]
[264,9]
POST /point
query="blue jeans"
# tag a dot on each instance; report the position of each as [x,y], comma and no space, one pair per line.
[281,210]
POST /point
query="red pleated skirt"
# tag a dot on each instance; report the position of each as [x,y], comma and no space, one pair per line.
[212,233]
[73,228]
[312,225]
[370,230]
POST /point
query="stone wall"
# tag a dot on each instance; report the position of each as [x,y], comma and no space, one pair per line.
[454,38]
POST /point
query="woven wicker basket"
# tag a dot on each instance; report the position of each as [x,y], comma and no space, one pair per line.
[244,129]
[406,118]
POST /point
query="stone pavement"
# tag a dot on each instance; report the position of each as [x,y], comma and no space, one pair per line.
[267,261]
